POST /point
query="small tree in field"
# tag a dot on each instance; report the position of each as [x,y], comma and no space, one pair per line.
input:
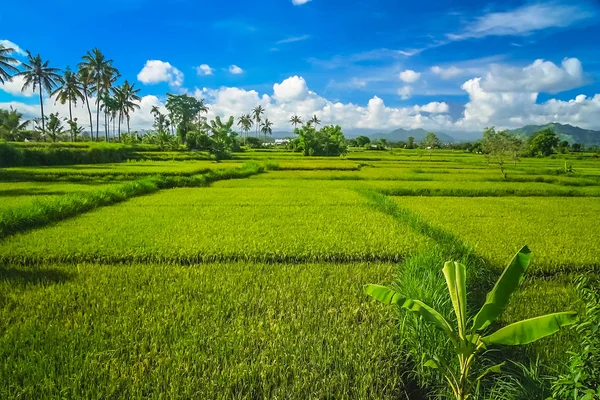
[361,141]
[431,142]
[543,143]
[500,147]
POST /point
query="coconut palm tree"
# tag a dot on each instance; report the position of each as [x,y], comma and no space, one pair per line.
[295,120]
[7,63]
[108,80]
[69,90]
[128,101]
[100,70]
[315,120]
[245,123]
[266,128]
[256,113]
[38,75]
[86,81]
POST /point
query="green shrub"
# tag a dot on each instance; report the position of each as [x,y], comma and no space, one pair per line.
[10,155]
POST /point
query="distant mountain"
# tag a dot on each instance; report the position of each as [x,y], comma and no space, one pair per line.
[570,133]
[403,134]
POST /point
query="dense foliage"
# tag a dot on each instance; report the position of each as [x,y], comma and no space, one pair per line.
[327,141]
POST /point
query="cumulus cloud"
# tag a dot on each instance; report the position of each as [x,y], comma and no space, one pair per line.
[293,88]
[524,20]
[485,107]
[11,45]
[541,76]
[204,69]
[447,72]
[515,109]
[15,86]
[157,71]
[299,2]
[409,76]
[405,92]
[234,69]
[435,107]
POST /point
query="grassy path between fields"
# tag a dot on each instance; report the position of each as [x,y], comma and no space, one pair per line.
[43,212]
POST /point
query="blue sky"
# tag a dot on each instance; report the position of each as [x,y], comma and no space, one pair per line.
[354,54]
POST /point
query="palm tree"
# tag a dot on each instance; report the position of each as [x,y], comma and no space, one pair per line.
[101,71]
[108,81]
[107,107]
[315,120]
[245,122]
[128,98]
[86,81]
[6,63]
[70,90]
[257,112]
[295,120]
[38,75]
[266,127]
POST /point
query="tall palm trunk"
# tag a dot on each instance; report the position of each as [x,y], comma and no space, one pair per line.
[120,116]
[97,110]
[87,103]
[97,119]
[128,132]
[113,121]
[71,119]
[106,126]
[42,109]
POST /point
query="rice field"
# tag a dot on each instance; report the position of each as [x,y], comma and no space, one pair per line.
[252,287]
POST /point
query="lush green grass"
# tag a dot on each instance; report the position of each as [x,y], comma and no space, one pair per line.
[206,331]
[114,171]
[214,224]
[46,210]
[287,319]
[18,193]
[562,233]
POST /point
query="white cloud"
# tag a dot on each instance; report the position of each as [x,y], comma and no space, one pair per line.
[9,44]
[234,69]
[204,69]
[292,88]
[293,39]
[524,20]
[485,107]
[541,76]
[448,72]
[156,71]
[409,76]
[435,107]
[405,92]
[14,87]
[299,2]
[515,109]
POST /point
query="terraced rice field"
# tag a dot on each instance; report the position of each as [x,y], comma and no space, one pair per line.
[252,288]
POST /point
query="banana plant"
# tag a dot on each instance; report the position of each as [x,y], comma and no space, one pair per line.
[469,339]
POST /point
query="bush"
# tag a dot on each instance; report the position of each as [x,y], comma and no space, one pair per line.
[328,141]
[10,155]
[198,141]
